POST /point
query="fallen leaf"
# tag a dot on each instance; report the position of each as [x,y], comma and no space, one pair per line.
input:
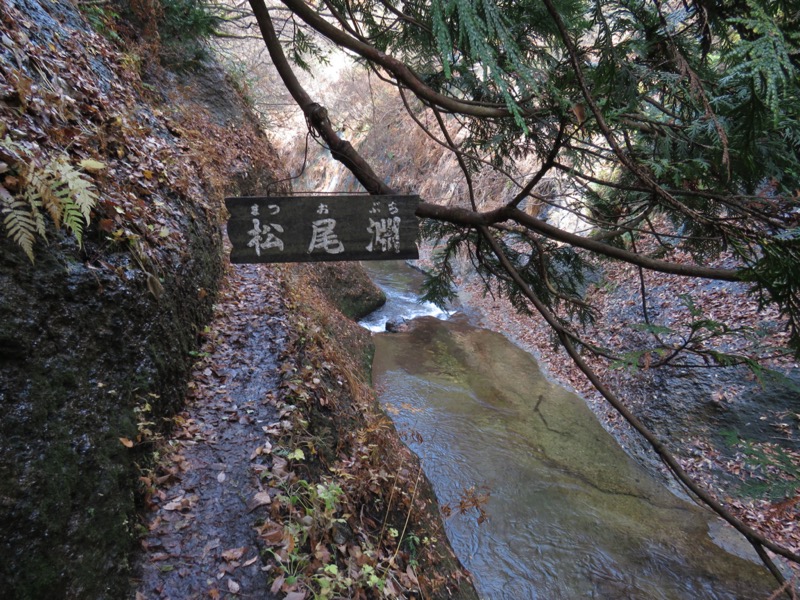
[279,467]
[259,468]
[295,596]
[412,576]
[234,553]
[126,442]
[92,166]
[322,553]
[391,590]
[276,585]
[210,546]
[233,587]
[176,504]
[260,499]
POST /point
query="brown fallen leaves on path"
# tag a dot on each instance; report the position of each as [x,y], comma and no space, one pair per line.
[206,490]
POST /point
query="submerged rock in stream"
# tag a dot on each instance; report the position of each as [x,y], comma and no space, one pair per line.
[568,513]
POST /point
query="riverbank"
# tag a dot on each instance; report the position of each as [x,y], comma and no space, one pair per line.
[728,430]
[284,479]
[376,525]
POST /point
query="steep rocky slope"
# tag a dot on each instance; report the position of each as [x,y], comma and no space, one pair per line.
[96,340]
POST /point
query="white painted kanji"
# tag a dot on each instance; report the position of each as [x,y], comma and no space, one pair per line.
[263,237]
[323,237]
[385,235]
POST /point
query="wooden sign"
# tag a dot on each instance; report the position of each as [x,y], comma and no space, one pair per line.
[322,228]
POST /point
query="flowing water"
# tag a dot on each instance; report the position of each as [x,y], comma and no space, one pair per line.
[544,502]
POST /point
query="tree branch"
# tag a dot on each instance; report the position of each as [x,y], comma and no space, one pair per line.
[316,115]
[462,216]
[397,68]
[758,541]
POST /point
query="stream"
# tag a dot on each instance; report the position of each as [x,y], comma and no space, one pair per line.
[543,502]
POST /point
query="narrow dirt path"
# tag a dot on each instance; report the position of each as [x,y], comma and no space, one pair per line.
[207,495]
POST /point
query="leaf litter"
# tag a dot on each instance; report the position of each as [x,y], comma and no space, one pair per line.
[200,539]
[301,511]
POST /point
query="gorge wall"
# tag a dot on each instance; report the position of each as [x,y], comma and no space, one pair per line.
[96,341]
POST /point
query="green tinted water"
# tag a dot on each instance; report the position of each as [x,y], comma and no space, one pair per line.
[570,515]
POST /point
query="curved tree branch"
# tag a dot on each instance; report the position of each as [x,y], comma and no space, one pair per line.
[462,216]
[316,114]
[343,151]
[397,68]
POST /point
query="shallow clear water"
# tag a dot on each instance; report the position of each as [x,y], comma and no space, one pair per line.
[569,514]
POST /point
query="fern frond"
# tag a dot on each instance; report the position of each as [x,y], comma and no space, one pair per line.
[58,188]
[76,195]
[23,222]
[74,220]
[82,191]
[39,188]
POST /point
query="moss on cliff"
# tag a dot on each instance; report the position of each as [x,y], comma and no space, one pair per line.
[88,335]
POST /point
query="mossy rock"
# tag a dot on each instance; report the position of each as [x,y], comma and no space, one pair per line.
[348,287]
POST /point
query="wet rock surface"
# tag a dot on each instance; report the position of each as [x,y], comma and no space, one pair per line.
[201,540]
[88,348]
[92,336]
[543,502]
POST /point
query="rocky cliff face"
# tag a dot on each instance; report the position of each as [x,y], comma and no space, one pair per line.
[96,340]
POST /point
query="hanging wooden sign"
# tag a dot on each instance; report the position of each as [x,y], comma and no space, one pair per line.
[322,228]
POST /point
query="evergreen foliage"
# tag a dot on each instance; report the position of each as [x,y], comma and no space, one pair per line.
[178,29]
[664,121]
[184,26]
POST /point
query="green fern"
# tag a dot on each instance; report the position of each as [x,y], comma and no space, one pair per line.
[58,189]
[76,194]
